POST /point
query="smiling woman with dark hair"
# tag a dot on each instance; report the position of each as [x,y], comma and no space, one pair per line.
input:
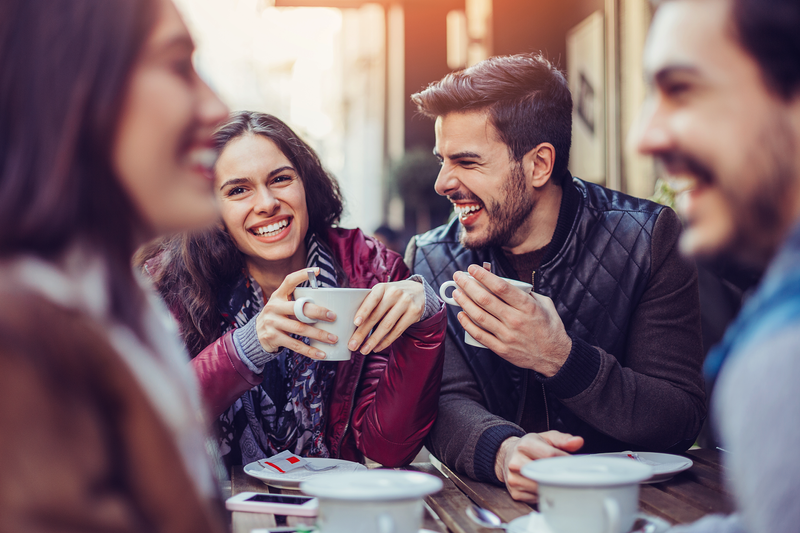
[105,144]
[230,288]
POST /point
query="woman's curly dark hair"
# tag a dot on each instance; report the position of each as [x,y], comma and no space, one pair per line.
[193,270]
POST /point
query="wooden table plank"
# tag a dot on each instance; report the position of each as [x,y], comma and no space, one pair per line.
[663,505]
[244,522]
[706,456]
[449,504]
[486,495]
[686,487]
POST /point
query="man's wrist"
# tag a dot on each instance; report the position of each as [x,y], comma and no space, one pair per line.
[500,458]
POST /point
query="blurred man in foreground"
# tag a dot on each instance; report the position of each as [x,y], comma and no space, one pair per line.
[723,118]
[605,353]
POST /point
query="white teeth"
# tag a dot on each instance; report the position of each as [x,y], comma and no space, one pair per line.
[271,229]
[464,210]
[682,182]
[205,157]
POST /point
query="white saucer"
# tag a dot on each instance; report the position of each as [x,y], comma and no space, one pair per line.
[664,465]
[293,478]
[534,523]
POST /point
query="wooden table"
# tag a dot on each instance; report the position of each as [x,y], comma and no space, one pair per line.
[685,498]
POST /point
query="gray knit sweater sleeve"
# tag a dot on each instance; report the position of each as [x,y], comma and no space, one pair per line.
[249,349]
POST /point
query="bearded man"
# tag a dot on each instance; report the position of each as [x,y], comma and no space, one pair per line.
[605,353]
[723,119]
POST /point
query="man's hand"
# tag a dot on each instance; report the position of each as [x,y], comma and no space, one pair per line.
[524,329]
[515,452]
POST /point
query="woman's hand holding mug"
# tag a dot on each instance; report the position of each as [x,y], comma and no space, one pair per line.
[390,308]
[276,323]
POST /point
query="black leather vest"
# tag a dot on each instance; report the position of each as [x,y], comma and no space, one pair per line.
[595,271]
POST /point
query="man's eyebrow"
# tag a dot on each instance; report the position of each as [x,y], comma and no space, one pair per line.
[663,74]
[464,155]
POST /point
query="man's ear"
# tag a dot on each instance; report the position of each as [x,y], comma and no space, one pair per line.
[538,164]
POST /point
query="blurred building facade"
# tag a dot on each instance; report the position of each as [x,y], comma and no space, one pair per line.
[341,72]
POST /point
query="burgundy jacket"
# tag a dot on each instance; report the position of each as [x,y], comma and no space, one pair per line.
[383,404]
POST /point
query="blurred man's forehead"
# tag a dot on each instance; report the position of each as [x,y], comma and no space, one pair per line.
[688,34]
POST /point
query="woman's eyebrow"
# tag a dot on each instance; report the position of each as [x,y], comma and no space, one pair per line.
[234,181]
[280,169]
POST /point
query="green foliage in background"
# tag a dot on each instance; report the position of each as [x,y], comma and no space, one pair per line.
[664,194]
[414,177]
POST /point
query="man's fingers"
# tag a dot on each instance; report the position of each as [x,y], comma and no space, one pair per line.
[563,441]
[535,447]
[477,313]
[502,289]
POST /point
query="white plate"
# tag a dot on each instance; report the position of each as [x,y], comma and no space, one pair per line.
[664,465]
[534,523]
[292,479]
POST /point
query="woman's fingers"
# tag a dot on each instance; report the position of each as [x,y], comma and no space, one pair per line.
[290,282]
[390,309]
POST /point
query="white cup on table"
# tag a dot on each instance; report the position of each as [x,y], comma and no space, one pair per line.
[588,494]
[372,501]
[342,301]
[527,287]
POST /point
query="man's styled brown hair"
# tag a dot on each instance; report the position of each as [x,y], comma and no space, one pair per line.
[526,96]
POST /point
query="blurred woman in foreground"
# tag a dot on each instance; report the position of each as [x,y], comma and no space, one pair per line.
[231,290]
[105,143]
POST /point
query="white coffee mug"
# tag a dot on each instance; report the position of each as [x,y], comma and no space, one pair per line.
[344,302]
[588,494]
[527,287]
[372,501]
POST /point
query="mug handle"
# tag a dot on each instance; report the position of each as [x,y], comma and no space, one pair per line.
[611,508]
[443,290]
[298,311]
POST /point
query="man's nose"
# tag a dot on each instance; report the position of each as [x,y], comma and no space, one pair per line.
[650,135]
[446,181]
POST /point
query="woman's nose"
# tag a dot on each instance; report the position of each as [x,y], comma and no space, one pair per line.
[266,202]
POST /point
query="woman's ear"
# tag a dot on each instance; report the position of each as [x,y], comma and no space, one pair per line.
[538,164]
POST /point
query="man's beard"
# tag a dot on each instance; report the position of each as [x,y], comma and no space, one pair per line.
[504,217]
[760,218]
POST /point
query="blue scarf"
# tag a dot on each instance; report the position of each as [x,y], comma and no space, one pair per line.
[775,304]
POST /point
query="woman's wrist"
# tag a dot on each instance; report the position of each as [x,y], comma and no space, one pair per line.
[432,301]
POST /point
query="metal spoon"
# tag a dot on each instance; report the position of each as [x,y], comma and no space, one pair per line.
[485,518]
[312,278]
[315,468]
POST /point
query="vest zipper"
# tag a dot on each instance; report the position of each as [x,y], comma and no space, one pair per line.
[546,409]
[533,281]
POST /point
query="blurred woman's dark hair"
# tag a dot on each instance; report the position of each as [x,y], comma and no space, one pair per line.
[192,270]
[63,81]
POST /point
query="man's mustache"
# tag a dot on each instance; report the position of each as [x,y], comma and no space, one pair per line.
[676,163]
[461,197]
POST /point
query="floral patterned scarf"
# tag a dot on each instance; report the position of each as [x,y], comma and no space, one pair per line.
[286,411]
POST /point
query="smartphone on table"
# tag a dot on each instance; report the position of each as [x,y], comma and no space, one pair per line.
[282,504]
